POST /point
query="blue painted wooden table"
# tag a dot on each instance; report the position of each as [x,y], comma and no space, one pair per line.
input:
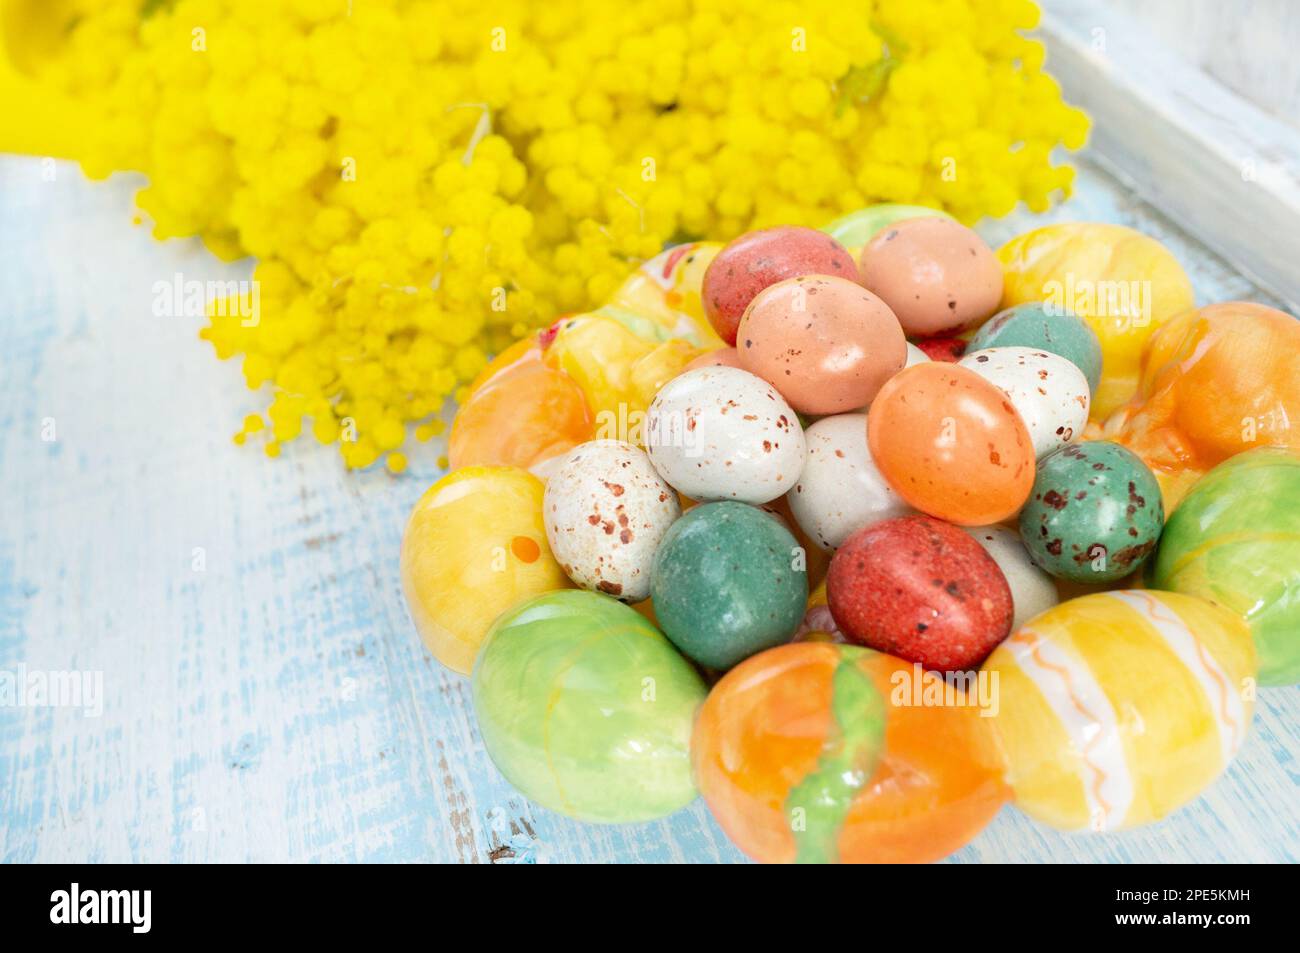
[264,696]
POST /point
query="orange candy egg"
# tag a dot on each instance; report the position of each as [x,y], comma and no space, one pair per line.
[819,752]
[520,413]
[951,444]
[826,343]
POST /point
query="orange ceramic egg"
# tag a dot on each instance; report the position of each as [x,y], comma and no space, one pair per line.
[826,343]
[951,444]
[1216,381]
[816,752]
[520,413]
[722,357]
[937,275]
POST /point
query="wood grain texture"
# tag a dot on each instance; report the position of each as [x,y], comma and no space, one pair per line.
[277,706]
[1212,160]
[1248,45]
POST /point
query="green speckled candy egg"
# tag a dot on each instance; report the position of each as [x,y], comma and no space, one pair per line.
[1094,514]
[729,580]
[1235,540]
[1035,325]
[587,709]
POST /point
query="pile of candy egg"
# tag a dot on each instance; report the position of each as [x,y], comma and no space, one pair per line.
[862,532]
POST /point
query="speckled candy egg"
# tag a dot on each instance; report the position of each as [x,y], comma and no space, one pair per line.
[757,259]
[951,444]
[606,509]
[936,275]
[1032,590]
[1094,514]
[721,357]
[1044,328]
[587,709]
[840,490]
[1049,392]
[827,344]
[942,349]
[720,433]
[921,589]
[729,580]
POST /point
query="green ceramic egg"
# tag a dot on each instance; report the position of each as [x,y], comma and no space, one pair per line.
[857,228]
[1094,514]
[729,580]
[587,709]
[1035,325]
[1235,540]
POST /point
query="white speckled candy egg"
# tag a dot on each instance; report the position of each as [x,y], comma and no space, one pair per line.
[720,433]
[606,510]
[1050,393]
[840,490]
[1032,590]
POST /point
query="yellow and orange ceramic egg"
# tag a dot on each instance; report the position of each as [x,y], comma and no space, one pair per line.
[1216,381]
[475,545]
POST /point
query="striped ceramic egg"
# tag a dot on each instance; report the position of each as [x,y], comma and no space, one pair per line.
[1119,707]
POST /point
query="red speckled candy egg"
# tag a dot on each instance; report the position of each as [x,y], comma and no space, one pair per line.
[757,259]
[921,589]
[949,350]
[827,344]
[937,275]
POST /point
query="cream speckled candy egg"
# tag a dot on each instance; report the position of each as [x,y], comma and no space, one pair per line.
[840,490]
[1050,392]
[606,509]
[915,355]
[1032,590]
[720,433]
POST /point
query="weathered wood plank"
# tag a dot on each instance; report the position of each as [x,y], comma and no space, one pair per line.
[277,705]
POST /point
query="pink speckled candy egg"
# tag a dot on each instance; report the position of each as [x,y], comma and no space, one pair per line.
[722,357]
[937,275]
[827,344]
[757,259]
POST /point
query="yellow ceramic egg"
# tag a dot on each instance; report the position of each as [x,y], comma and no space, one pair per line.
[1116,708]
[474,546]
[1123,283]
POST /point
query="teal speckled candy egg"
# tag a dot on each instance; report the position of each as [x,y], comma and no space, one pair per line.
[1035,325]
[1094,514]
[587,709]
[729,580]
